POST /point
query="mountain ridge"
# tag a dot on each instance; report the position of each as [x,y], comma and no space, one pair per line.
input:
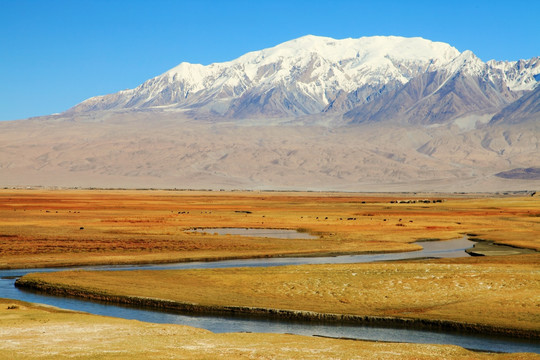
[311,75]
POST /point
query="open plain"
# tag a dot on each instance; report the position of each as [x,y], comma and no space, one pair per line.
[45,228]
[82,227]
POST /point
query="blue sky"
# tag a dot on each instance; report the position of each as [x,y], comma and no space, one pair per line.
[55,54]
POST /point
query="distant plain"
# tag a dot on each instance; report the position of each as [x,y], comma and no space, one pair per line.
[73,227]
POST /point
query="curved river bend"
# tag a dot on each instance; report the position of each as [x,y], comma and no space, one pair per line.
[439,249]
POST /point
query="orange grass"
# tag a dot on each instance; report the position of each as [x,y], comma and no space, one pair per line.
[43,228]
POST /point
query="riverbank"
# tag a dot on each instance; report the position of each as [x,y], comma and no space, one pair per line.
[488,248]
[489,295]
[45,228]
[31,331]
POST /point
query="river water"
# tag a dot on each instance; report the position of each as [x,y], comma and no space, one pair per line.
[219,324]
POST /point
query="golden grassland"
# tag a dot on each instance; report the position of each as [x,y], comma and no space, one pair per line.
[31,331]
[75,227]
[494,294]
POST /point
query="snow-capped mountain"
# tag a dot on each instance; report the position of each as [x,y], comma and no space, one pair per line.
[464,86]
[311,75]
[518,75]
[368,114]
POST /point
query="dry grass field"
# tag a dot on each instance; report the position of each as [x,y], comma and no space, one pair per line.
[72,227]
[75,227]
[31,331]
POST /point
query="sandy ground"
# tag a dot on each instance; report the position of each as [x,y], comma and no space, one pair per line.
[172,151]
[31,331]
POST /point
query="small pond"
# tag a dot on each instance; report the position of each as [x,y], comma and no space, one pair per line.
[267,233]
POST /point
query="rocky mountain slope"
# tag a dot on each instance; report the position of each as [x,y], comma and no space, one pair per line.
[526,108]
[465,87]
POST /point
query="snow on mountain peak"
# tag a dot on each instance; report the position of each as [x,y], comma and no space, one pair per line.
[518,75]
[364,47]
[309,73]
[346,64]
[467,63]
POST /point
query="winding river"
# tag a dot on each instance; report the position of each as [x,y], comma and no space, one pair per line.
[218,324]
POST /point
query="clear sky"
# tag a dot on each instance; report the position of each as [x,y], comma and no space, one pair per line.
[57,53]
